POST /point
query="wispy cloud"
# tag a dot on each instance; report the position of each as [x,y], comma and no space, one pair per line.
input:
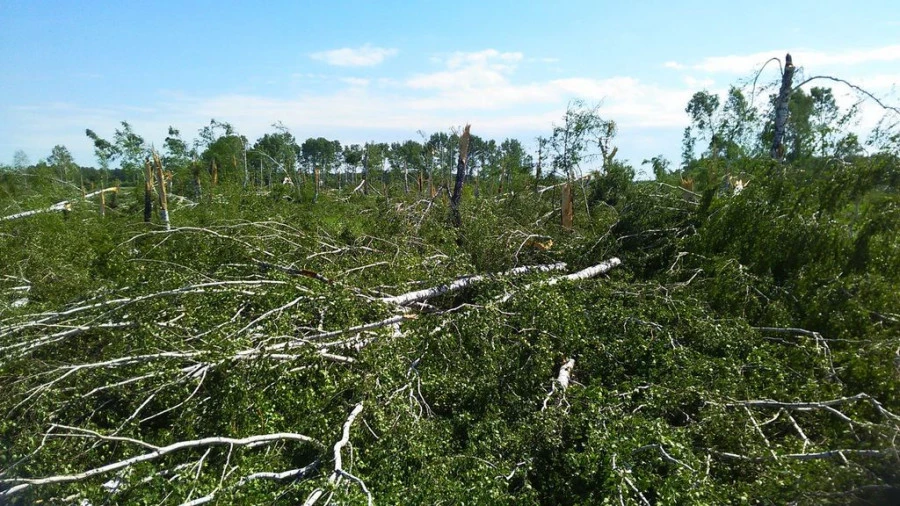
[486,81]
[355,81]
[746,63]
[485,88]
[365,56]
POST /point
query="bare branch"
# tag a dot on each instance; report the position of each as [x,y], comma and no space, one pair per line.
[21,484]
[884,106]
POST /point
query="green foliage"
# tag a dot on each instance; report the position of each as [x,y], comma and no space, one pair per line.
[744,352]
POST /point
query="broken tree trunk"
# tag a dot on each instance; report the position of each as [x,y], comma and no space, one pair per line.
[562,380]
[148,191]
[463,282]
[568,210]
[163,201]
[64,206]
[316,182]
[365,161]
[781,108]
[460,177]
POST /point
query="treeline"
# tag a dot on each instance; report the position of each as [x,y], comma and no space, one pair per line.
[725,133]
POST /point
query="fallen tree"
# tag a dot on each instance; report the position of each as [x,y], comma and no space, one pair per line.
[65,205]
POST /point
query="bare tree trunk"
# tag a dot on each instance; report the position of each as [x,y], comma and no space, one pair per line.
[460,176]
[366,171]
[163,200]
[781,108]
[148,192]
[406,176]
[568,210]
[316,183]
[246,168]
[537,174]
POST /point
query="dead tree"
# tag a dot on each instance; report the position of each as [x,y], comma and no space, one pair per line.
[163,200]
[781,108]
[461,162]
[148,191]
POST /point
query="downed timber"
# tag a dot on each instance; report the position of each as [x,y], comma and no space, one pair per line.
[590,272]
[562,380]
[20,484]
[65,205]
[463,282]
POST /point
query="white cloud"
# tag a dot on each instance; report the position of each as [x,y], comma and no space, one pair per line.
[364,56]
[698,84]
[481,87]
[355,81]
[485,81]
[469,70]
[747,63]
[486,88]
[884,82]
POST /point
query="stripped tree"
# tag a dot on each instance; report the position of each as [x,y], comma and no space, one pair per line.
[781,108]
[461,163]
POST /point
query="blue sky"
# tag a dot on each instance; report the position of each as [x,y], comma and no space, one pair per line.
[382,71]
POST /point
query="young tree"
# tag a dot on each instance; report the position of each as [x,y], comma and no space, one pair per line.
[660,166]
[132,149]
[353,157]
[405,155]
[727,130]
[61,159]
[178,154]
[104,150]
[512,161]
[570,141]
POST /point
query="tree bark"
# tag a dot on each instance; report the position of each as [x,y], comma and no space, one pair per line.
[568,210]
[781,108]
[460,177]
[163,200]
[366,171]
[316,182]
[148,192]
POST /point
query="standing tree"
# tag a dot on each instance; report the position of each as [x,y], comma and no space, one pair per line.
[512,161]
[660,166]
[570,141]
[20,160]
[104,150]
[461,162]
[273,152]
[177,159]
[542,143]
[132,149]
[781,108]
[353,157]
[61,159]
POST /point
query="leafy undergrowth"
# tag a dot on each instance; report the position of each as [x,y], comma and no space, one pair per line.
[745,350]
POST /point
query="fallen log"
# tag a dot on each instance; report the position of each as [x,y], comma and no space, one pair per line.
[460,283]
[65,205]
